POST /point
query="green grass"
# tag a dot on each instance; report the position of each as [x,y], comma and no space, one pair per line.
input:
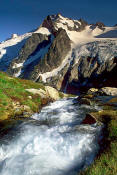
[106,162]
[13,90]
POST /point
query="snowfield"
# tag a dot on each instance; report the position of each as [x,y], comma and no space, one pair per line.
[9,49]
[92,41]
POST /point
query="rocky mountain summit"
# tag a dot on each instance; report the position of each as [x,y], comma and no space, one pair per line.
[64,53]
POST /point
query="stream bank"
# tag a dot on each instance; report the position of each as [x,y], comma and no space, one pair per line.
[105,162]
[52,142]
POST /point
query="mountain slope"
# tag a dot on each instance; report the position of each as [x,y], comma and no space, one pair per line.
[68,54]
[24,97]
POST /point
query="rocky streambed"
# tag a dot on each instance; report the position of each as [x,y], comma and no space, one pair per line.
[53,142]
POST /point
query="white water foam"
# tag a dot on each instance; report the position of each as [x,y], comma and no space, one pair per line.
[60,146]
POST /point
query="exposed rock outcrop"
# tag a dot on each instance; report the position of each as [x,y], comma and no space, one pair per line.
[53,23]
[92,91]
[106,91]
[110,91]
[52,93]
[40,92]
[49,92]
[26,57]
[84,101]
[55,55]
[89,72]
[89,119]
[67,54]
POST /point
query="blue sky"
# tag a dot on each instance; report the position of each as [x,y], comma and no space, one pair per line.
[21,16]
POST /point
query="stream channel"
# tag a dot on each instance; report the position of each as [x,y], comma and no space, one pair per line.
[53,142]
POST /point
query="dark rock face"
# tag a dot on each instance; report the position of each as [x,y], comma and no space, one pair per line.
[30,48]
[55,55]
[74,73]
[108,91]
[89,119]
[57,49]
[89,72]
[85,68]
[59,81]
[51,23]
[84,101]
[100,25]
[89,65]
[33,44]
[82,26]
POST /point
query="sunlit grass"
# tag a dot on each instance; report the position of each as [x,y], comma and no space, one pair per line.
[106,163]
[13,90]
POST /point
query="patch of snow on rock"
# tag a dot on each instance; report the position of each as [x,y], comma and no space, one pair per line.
[17,65]
[39,54]
[2,52]
[43,30]
[54,72]
[103,49]
[9,49]
[14,36]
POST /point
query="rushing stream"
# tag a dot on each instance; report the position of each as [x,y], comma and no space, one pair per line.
[51,143]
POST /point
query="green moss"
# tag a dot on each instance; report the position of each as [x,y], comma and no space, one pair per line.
[61,95]
[113,129]
[33,106]
[89,96]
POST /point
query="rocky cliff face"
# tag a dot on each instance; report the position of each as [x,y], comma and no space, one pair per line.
[54,57]
[54,22]
[40,54]
[89,72]
[67,54]
[29,54]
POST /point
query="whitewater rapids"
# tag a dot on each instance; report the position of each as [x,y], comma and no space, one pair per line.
[50,143]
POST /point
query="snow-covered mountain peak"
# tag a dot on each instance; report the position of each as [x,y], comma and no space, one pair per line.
[60,45]
[43,31]
[10,48]
[54,22]
[14,36]
[79,31]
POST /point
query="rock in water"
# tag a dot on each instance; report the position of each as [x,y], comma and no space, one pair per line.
[108,91]
[52,93]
